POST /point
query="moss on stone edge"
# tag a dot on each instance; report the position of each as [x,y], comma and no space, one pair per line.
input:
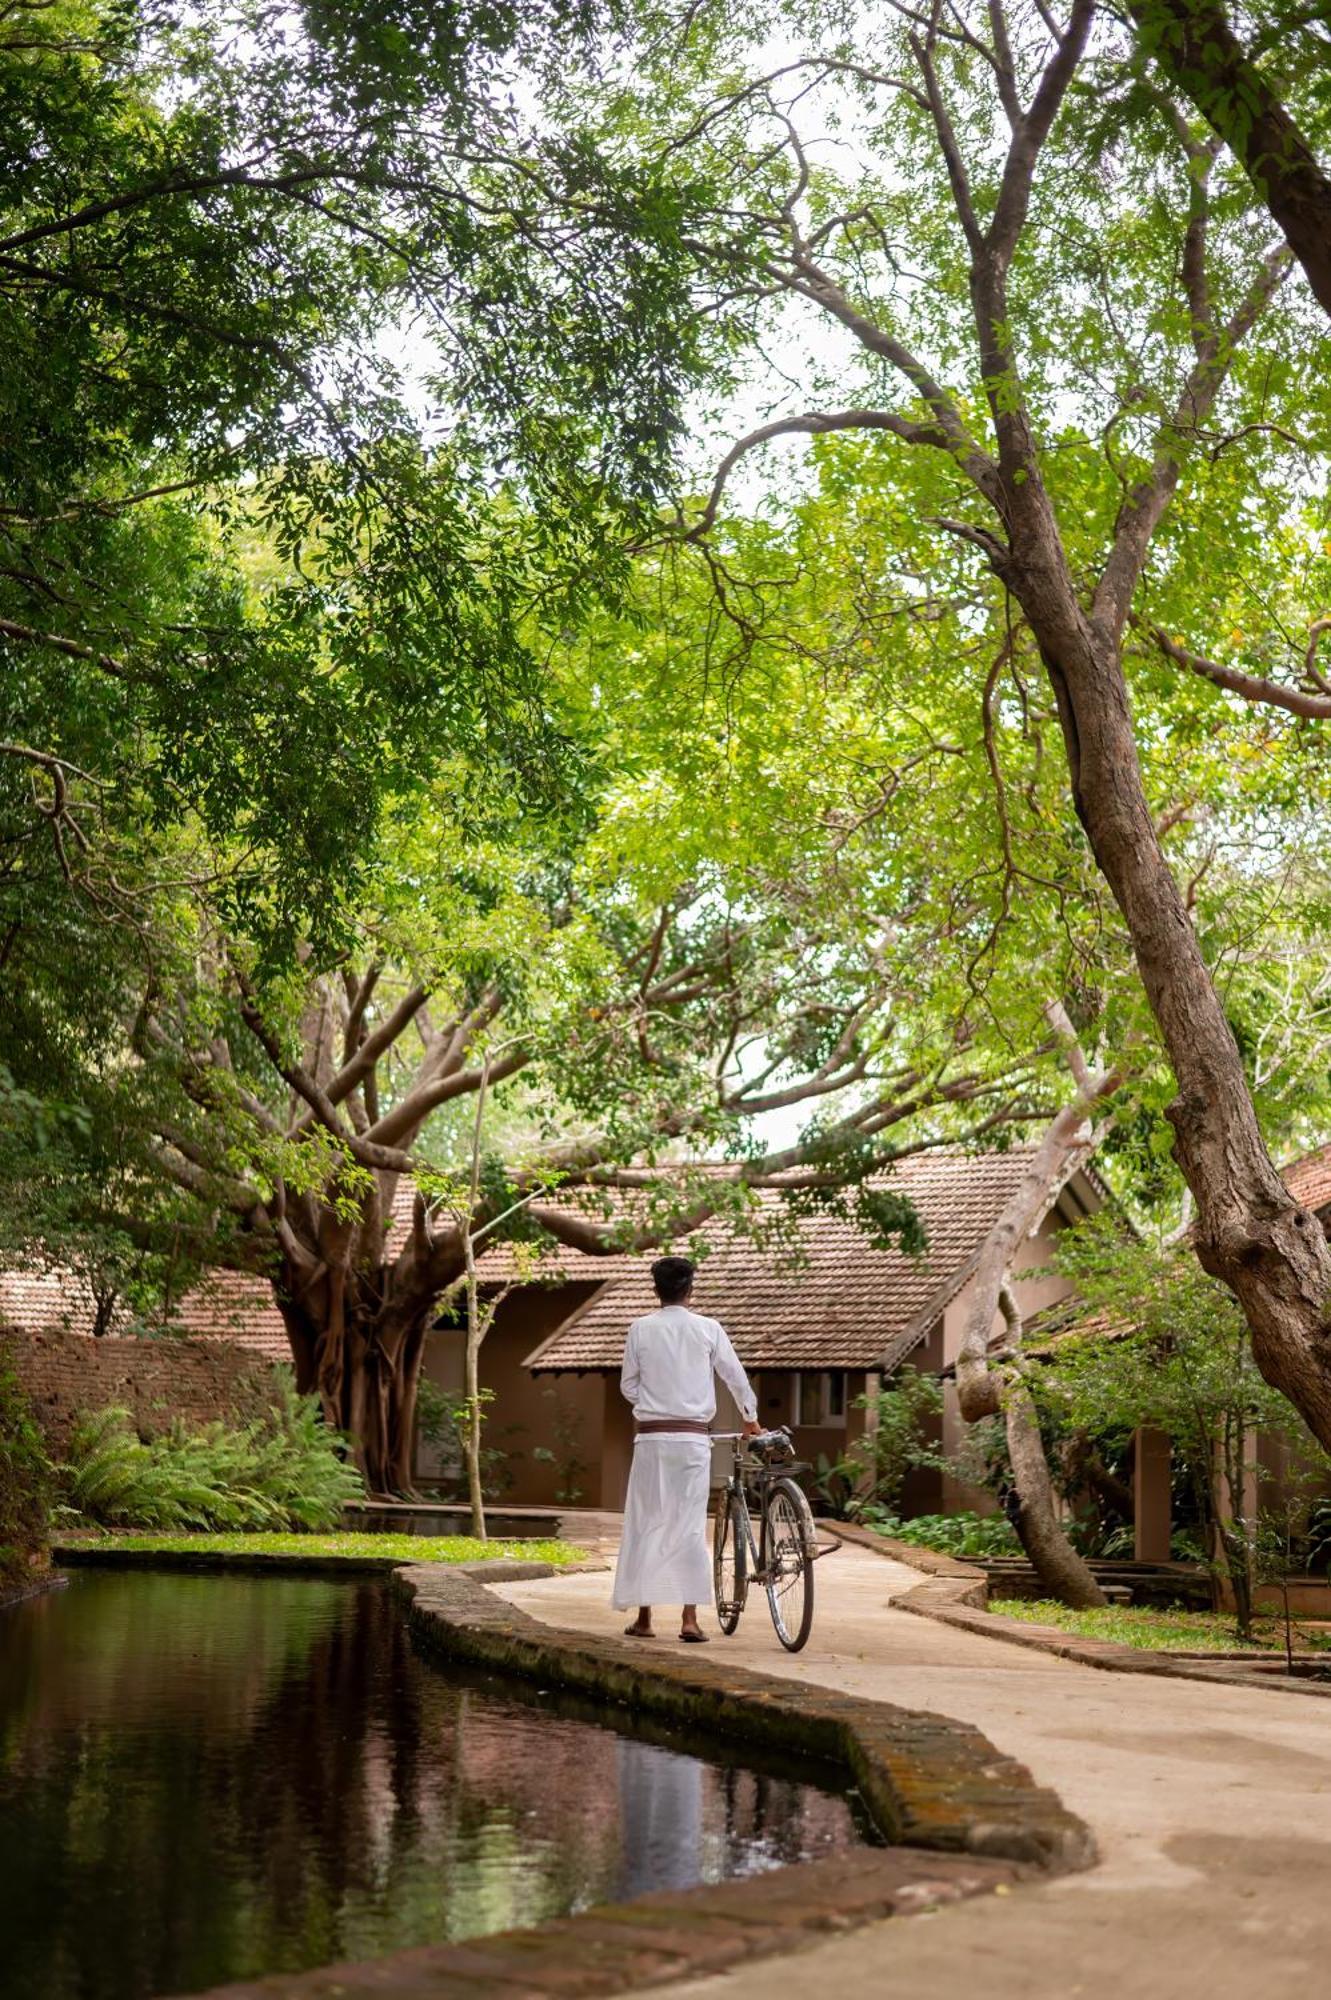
[929,1781]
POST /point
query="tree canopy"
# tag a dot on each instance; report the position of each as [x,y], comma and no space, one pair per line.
[269,281]
[654,586]
[986,239]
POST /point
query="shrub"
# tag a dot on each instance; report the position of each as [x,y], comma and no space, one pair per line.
[902,1416]
[25,1485]
[442,1421]
[285,1469]
[950,1534]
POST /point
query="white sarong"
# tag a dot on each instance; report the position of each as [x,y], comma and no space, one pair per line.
[663,1558]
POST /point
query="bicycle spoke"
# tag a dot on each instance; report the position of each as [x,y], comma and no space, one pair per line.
[789,1573]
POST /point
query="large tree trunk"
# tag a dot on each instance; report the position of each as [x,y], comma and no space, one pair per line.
[362,1357]
[982,1388]
[1250,1232]
[1051,1554]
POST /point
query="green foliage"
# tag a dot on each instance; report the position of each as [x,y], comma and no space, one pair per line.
[863,550]
[959,1534]
[25,1479]
[870,1475]
[282,1470]
[1167,1347]
[443,1421]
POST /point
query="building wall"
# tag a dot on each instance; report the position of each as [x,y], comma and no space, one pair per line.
[584,1417]
[64,1374]
[559,1414]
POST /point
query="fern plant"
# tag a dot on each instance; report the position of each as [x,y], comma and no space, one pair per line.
[283,1470]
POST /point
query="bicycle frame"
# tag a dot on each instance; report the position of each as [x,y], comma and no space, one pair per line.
[743,1473]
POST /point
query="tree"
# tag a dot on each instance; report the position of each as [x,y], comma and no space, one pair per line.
[1081,354]
[745,973]
[1244,91]
[1166,1347]
[241,540]
[987,1389]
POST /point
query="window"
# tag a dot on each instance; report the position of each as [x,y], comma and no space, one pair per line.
[819,1401]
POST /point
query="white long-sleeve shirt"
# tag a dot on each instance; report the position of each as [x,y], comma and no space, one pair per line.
[670,1360]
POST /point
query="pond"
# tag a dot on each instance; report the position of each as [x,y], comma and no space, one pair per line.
[209,1778]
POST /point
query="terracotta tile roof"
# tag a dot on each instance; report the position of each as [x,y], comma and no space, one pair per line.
[847,1305]
[505,1261]
[46,1302]
[225,1306]
[1309,1179]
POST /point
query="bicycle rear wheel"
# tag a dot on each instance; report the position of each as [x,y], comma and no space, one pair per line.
[790,1547]
[730,1559]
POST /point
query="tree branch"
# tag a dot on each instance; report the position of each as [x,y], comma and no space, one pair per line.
[1194,44]
[1145,506]
[366,1152]
[815,423]
[1252,687]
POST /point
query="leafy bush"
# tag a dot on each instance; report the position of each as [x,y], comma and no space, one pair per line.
[24,1479]
[442,1420]
[873,1470]
[950,1534]
[285,1469]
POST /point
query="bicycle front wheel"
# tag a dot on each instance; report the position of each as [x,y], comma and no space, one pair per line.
[730,1563]
[790,1547]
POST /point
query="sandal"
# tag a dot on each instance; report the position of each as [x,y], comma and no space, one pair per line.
[694,1639]
[636,1632]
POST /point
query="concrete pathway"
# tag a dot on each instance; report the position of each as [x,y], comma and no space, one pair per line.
[1211,1805]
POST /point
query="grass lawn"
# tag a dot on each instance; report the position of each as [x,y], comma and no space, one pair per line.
[1155,1631]
[320,1548]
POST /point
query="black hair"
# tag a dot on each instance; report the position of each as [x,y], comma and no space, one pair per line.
[673,1278]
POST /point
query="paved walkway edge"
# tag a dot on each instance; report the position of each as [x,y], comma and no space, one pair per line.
[928,1780]
[954,1593]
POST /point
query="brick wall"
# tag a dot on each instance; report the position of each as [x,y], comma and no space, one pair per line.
[157,1380]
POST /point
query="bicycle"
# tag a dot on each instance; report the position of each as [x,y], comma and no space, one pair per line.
[783,1556]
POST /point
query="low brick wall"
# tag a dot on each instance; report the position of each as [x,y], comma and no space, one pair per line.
[63,1374]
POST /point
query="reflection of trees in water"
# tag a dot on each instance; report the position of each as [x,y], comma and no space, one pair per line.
[258,1776]
[777,1819]
[122,1697]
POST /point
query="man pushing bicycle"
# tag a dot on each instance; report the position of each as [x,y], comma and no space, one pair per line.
[671,1360]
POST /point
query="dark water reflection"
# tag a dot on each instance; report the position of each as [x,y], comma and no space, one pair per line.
[205,1778]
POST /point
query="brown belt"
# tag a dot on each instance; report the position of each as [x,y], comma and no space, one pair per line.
[690,1424]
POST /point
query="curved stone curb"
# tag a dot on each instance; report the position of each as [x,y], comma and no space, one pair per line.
[953,1593]
[931,1601]
[657,1939]
[972,1820]
[930,1562]
[929,1781]
[37,1586]
[105,1555]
